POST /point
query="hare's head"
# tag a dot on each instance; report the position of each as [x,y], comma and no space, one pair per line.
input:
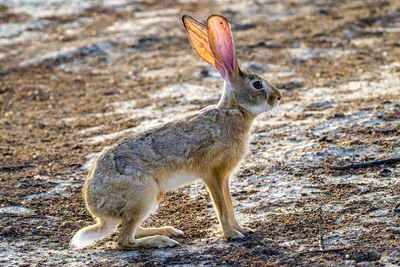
[214,44]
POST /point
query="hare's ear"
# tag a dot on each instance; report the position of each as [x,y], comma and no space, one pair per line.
[197,33]
[221,43]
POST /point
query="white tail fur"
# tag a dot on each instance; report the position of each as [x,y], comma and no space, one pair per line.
[90,234]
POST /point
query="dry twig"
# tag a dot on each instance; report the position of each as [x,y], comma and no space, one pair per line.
[365,164]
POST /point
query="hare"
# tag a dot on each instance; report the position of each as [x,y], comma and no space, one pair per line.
[128,179]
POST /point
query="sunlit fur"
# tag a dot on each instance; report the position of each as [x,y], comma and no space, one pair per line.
[128,179]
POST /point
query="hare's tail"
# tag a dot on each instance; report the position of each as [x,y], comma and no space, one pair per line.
[90,234]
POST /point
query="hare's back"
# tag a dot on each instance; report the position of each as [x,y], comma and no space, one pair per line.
[176,143]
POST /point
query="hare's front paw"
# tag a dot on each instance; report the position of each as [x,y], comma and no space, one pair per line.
[233,234]
[245,230]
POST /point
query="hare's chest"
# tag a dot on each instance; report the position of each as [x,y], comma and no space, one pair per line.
[177,179]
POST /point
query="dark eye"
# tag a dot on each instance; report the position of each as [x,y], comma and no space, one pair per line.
[257,85]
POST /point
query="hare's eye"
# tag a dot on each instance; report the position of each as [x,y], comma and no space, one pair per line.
[257,85]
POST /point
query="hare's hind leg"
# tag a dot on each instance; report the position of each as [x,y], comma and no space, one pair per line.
[129,236]
[165,230]
[127,242]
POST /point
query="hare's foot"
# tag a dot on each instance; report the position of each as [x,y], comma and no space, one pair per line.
[166,231]
[233,235]
[236,226]
[244,230]
[156,241]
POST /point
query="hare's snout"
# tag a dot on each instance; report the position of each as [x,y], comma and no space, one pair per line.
[274,97]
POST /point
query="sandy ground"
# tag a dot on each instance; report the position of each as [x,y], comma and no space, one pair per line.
[75,76]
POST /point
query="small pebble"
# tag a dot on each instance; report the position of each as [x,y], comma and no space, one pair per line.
[368,255]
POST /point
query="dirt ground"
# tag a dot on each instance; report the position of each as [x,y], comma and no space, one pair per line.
[75,76]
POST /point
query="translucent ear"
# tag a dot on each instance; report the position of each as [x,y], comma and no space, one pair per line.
[197,33]
[221,42]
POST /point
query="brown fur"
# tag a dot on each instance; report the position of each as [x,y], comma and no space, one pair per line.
[129,178]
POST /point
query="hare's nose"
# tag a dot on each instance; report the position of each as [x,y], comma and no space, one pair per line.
[279,95]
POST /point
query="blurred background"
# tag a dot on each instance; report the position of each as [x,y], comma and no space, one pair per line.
[76,76]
